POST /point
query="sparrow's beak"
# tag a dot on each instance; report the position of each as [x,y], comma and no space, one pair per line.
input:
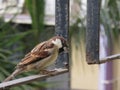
[65,49]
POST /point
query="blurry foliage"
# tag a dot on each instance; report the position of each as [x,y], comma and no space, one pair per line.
[14,42]
[11,48]
[110,19]
[78,22]
[36,10]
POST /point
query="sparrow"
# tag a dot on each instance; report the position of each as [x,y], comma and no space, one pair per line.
[41,56]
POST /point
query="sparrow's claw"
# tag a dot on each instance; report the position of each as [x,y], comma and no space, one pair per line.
[47,71]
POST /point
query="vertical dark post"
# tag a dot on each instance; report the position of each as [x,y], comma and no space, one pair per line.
[62,25]
[92,32]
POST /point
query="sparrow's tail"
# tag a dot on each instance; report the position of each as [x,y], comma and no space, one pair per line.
[16,72]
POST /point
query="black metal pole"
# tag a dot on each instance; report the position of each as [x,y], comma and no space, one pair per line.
[62,25]
[92,32]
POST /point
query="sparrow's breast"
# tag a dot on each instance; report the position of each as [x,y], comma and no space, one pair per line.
[48,61]
[42,64]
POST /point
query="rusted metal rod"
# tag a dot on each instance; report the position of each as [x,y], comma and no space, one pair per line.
[109,58]
[92,32]
[62,26]
[29,79]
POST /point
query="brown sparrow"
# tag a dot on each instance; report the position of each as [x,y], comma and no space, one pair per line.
[41,56]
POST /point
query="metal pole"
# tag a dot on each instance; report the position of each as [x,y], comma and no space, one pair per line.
[62,25]
[92,32]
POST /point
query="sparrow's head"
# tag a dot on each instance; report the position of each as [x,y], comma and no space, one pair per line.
[61,43]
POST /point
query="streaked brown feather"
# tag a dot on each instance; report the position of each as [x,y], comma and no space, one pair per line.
[39,47]
[34,57]
[38,53]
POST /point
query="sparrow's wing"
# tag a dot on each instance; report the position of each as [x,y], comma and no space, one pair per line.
[38,53]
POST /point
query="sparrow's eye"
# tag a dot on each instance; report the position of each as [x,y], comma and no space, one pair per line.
[65,49]
[65,44]
[50,46]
